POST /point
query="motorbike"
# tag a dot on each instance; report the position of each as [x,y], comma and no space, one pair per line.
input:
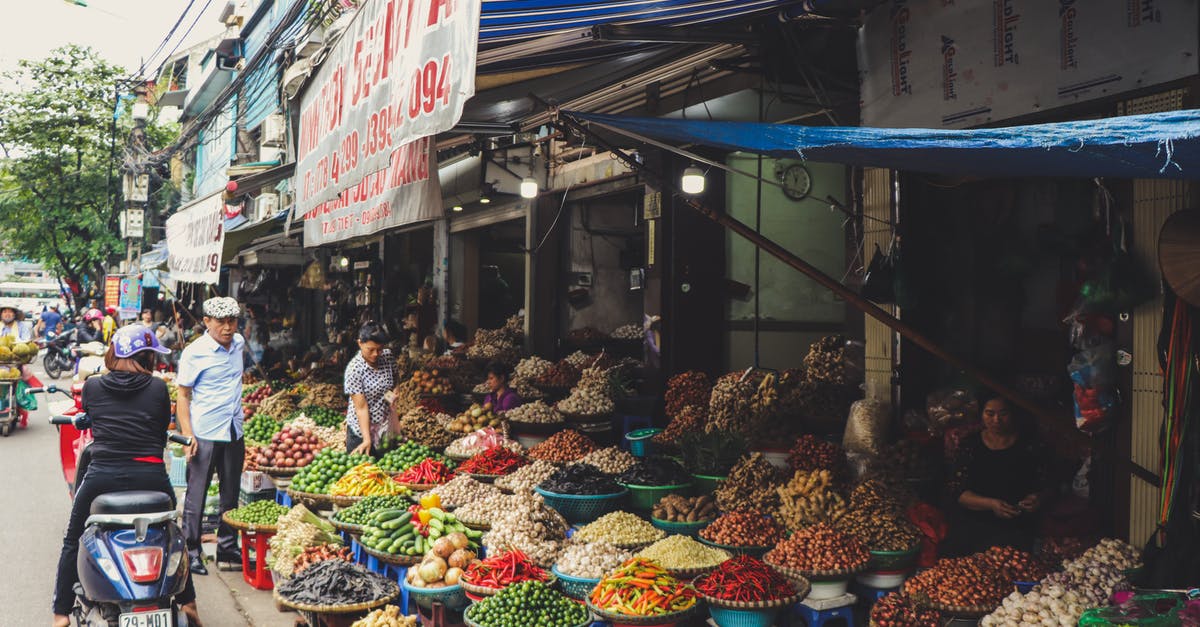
[132,555]
[60,357]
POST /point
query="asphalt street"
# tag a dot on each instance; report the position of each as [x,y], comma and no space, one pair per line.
[36,506]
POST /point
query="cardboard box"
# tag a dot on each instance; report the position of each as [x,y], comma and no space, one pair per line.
[254,481]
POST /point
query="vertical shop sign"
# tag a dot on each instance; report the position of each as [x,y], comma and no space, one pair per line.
[112,291]
[130,299]
[933,63]
[401,74]
[195,237]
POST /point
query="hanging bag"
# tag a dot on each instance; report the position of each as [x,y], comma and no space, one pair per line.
[877,284]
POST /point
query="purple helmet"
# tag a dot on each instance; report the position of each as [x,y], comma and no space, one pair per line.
[133,339]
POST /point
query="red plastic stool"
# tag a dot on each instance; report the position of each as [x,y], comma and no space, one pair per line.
[255,571]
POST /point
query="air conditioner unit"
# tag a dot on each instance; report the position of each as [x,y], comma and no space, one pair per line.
[270,153]
[265,206]
[273,131]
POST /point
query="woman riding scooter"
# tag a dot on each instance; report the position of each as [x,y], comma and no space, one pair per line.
[93,328]
[130,412]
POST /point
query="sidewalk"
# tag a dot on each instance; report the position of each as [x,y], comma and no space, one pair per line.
[224,598]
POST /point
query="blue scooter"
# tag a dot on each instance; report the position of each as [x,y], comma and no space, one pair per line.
[132,555]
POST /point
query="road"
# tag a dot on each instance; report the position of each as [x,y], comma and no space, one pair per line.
[36,506]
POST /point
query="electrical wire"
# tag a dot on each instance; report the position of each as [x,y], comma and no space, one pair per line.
[185,35]
[561,206]
[162,44]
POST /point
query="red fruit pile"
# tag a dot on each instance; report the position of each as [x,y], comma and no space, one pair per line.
[292,447]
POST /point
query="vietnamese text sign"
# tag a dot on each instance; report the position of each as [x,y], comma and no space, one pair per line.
[195,237]
[130,297]
[112,291]
[933,63]
[402,72]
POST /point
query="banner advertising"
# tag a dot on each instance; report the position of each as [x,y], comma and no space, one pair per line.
[112,291]
[402,72]
[965,63]
[195,237]
[130,297]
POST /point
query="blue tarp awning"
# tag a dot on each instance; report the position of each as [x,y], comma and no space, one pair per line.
[1157,145]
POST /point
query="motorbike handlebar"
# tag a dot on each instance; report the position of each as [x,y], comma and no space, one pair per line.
[179,438]
[62,420]
[48,388]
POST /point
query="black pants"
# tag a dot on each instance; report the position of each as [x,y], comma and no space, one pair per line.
[103,477]
[225,459]
[353,440]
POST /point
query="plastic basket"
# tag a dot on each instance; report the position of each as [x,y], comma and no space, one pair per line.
[1152,610]
[690,529]
[640,444]
[453,597]
[178,472]
[643,497]
[727,617]
[583,508]
[574,587]
[706,484]
[894,560]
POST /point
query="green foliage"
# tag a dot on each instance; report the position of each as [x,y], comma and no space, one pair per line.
[56,129]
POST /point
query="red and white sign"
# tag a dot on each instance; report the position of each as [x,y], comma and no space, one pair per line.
[195,237]
[402,72]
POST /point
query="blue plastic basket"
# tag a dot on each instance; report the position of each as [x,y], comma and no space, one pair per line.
[178,472]
[690,529]
[640,444]
[453,597]
[583,508]
[725,617]
[574,587]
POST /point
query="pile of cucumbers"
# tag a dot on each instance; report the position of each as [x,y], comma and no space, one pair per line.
[393,531]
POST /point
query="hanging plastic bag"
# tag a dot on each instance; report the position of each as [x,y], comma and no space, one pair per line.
[25,399]
[866,430]
[877,284]
[1093,371]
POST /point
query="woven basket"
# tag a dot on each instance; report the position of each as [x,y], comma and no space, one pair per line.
[819,575]
[275,471]
[470,623]
[453,597]
[311,497]
[476,526]
[643,497]
[957,611]
[690,573]
[354,530]
[646,621]
[338,609]
[583,508]
[754,551]
[394,560]
[344,501]
[577,588]
[248,527]
[894,560]
[483,478]
[802,589]
[419,487]
[690,529]
[484,591]
[536,428]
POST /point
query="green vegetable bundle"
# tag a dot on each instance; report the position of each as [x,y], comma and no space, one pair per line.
[394,531]
[360,513]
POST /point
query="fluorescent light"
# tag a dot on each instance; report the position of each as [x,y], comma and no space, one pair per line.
[483,200]
[456,208]
[693,180]
[344,262]
[529,188]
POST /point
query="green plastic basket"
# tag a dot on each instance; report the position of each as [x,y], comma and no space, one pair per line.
[583,508]
[690,529]
[453,597]
[894,560]
[643,497]
[639,441]
[706,484]
[574,587]
[728,617]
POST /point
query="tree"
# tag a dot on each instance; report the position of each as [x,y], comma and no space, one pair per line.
[59,170]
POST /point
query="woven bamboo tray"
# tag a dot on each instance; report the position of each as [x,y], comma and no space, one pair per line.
[484,591]
[248,527]
[819,575]
[276,471]
[803,587]
[338,609]
[476,526]
[647,621]
[419,487]
[344,501]
[311,497]
[388,558]
[354,530]
[957,611]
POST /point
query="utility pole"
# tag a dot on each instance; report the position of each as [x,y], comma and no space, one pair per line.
[136,182]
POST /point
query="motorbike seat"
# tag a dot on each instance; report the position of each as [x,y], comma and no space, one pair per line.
[131,502]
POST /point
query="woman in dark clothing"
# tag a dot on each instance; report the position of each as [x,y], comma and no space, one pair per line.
[130,412]
[501,397]
[999,484]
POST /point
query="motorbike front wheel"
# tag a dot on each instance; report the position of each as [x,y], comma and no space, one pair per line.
[55,365]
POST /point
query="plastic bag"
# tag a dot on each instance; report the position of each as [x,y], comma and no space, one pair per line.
[1146,610]
[877,283]
[25,399]
[950,406]
[1093,371]
[867,427]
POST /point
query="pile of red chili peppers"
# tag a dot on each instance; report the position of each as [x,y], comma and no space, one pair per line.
[428,472]
[493,461]
[432,404]
[498,571]
[745,579]
[642,588]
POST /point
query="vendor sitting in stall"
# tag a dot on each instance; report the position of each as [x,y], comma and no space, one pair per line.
[999,485]
[501,397]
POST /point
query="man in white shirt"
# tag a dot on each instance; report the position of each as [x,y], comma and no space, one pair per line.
[210,400]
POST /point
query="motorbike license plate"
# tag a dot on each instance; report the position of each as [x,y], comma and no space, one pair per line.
[156,618]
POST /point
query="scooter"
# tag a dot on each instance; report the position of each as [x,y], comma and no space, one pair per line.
[59,357]
[132,554]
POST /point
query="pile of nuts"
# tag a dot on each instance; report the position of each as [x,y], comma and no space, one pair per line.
[631,331]
[961,582]
[686,389]
[897,610]
[1118,554]
[678,508]
[483,511]
[462,490]
[536,412]
[586,402]
[826,361]
[689,419]
[880,530]
[592,560]
[531,368]
[812,453]
[560,375]
[526,477]
[565,446]
[529,526]
[425,427]
[580,360]
[683,553]
[621,529]
[610,460]
[808,498]
[744,528]
[1015,565]
[729,405]
[876,496]
[819,549]
[751,484]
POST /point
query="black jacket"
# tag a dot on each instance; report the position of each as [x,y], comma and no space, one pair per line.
[130,415]
[88,334]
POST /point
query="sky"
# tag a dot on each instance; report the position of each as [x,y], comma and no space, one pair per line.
[123,31]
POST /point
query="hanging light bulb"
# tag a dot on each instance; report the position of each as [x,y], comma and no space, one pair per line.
[529,188]
[693,180]
[483,200]
[456,208]
[344,262]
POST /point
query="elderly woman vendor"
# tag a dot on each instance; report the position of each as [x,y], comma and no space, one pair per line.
[998,485]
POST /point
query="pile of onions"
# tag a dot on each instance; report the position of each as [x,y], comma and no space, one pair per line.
[444,564]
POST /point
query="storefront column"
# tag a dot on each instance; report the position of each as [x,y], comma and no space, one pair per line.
[441,268]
